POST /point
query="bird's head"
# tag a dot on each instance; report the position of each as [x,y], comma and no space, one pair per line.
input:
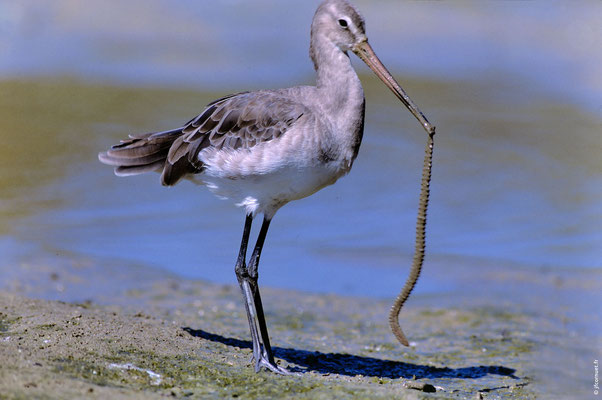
[342,25]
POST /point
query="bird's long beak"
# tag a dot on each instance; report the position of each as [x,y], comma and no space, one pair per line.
[364,51]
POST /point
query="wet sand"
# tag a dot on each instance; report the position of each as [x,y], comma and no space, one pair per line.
[159,336]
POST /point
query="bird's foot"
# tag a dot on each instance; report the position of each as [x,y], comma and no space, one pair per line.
[272,366]
[262,359]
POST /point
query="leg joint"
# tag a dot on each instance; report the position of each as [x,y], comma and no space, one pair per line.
[240,269]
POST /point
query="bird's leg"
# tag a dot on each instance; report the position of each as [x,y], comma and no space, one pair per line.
[266,358]
[241,275]
[247,279]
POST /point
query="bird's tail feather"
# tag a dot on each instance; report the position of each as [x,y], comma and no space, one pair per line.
[140,153]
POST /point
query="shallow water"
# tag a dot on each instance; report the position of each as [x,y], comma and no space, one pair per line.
[517,174]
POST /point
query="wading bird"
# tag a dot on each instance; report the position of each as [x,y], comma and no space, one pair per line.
[266,148]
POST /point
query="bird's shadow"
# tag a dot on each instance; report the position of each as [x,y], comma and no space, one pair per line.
[352,365]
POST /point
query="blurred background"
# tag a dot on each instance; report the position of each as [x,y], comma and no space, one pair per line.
[515,89]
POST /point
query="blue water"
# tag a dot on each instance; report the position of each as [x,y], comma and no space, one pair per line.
[514,89]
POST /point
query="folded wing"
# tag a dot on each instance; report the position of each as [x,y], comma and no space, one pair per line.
[235,122]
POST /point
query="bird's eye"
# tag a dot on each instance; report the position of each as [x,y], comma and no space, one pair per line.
[343,23]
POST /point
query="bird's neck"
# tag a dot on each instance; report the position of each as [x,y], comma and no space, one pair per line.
[336,78]
[341,93]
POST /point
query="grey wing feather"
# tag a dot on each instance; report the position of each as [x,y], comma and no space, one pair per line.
[239,121]
[246,118]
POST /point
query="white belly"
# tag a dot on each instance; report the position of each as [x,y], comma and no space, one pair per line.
[266,177]
[266,193]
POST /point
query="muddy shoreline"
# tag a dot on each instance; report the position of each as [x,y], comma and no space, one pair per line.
[173,337]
